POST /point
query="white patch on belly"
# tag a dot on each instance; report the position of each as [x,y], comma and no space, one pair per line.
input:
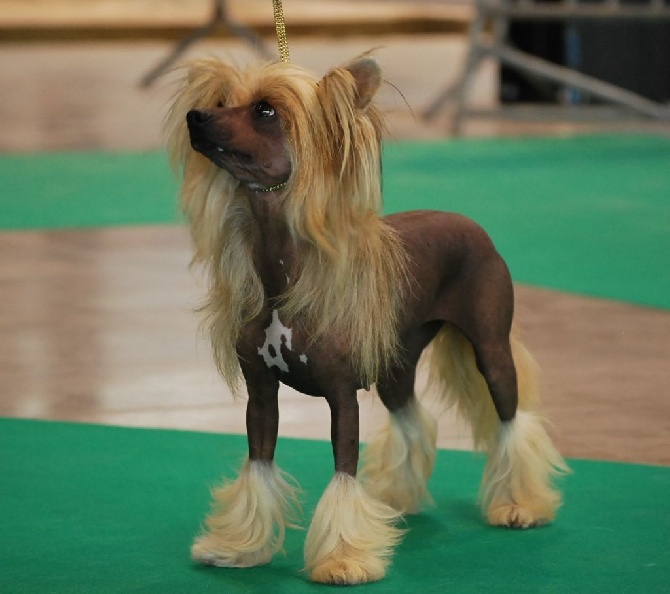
[303,359]
[276,334]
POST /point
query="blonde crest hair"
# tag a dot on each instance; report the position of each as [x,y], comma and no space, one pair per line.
[350,277]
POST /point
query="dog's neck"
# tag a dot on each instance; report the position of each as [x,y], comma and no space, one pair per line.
[274,253]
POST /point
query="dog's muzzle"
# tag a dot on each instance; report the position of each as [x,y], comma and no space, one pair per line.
[203,133]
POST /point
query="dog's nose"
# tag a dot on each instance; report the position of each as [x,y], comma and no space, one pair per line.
[198,117]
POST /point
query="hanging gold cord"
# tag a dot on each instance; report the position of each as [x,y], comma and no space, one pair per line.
[281,31]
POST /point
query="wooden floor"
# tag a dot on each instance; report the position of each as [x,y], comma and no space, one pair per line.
[97,325]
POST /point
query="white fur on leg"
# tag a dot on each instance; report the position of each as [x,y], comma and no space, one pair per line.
[249,518]
[399,461]
[352,535]
[516,488]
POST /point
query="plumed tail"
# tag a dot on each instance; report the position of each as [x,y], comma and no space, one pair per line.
[453,374]
[517,488]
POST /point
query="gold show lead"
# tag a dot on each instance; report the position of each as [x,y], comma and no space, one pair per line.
[281,31]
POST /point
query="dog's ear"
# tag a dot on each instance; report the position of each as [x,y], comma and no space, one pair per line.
[336,86]
[367,76]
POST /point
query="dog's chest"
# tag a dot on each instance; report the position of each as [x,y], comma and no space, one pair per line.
[282,348]
[271,348]
[278,346]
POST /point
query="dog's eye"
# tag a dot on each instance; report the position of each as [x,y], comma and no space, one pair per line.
[264,109]
[219,104]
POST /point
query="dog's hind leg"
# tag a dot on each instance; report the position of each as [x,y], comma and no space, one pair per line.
[249,515]
[485,382]
[399,460]
[517,486]
[352,534]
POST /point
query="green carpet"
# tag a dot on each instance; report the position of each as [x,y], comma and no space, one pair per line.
[86,508]
[587,214]
[63,190]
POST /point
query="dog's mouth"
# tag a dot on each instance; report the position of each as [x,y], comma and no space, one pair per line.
[219,154]
[238,163]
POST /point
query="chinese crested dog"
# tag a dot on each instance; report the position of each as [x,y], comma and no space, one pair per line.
[310,286]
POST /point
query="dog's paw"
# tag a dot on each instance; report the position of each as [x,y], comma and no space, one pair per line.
[352,535]
[511,515]
[348,570]
[207,550]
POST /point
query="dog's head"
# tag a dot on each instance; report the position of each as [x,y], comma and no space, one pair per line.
[248,141]
[274,127]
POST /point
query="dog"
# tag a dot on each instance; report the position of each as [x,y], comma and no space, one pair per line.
[310,286]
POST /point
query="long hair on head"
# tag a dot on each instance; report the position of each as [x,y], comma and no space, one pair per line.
[352,281]
[350,276]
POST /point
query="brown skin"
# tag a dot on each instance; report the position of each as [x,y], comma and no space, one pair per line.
[459,279]
[246,141]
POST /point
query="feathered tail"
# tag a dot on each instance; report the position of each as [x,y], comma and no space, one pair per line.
[522,464]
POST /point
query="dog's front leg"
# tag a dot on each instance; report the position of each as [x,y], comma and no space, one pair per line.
[249,515]
[352,534]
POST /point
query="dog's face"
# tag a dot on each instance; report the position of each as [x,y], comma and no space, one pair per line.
[247,141]
[257,125]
